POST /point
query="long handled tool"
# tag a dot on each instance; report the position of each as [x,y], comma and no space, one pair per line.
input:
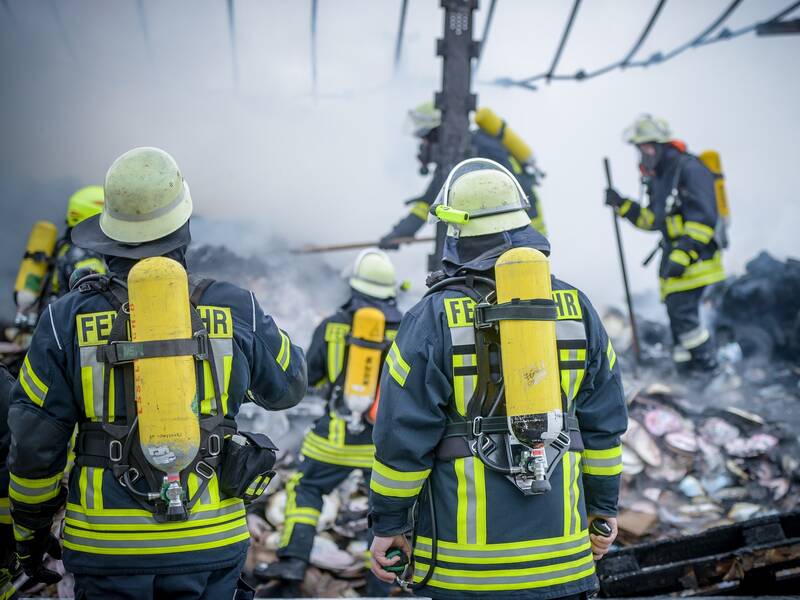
[634,334]
[357,245]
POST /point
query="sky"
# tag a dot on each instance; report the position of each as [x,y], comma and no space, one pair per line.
[279,164]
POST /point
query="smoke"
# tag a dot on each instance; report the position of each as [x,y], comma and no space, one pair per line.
[298,167]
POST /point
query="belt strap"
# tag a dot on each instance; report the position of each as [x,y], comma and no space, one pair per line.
[119,352]
[491,425]
[516,310]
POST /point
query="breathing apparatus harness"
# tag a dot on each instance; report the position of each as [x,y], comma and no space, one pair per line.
[116,447]
[483,432]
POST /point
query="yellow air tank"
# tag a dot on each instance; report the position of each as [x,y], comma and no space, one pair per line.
[492,124]
[33,269]
[530,359]
[364,360]
[166,402]
[710,159]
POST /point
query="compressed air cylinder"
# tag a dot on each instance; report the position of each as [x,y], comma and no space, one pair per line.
[710,158]
[490,123]
[33,269]
[530,359]
[166,403]
[364,360]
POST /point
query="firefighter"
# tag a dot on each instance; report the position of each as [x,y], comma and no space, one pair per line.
[485,526]
[682,206]
[425,120]
[68,258]
[341,440]
[130,530]
[9,567]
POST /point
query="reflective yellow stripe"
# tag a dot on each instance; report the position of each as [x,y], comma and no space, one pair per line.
[109,520]
[508,579]
[35,389]
[392,483]
[285,354]
[566,486]
[335,335]
[318,448]
[95,264]
[398,367]
[699,231]
[473,554]
[420,209]
[471,510]
[624,208]
[606,462]
[645,219]
[5,511]
[611,355]
[698,274]
[680,257]
[34,491]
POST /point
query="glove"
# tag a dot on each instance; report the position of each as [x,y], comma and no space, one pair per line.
[387,242]
[31,556]
[613,199]
[675,265]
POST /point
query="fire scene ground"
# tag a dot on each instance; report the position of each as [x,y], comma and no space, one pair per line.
[168,437]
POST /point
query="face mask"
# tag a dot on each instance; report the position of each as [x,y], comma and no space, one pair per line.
[649,162]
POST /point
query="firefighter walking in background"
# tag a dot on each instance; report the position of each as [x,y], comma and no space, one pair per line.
[152,365]
[344,361]
[492,139]
[683,206]
[501,414]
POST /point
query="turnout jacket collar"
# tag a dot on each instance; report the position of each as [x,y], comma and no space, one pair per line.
[358,300]
[481,252]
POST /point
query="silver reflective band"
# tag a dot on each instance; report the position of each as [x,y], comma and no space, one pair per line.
[154,214]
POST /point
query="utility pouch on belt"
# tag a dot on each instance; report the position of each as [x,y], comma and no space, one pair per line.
[246,467]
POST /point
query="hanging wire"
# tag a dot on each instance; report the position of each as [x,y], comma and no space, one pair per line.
[660,58]
[486,27]
[563,41]
[62,30]
[703,39]
[644,34]
[232,36]
[314,45]
[398,47]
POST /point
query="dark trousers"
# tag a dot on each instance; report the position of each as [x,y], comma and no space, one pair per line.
[694,347]
[203,585]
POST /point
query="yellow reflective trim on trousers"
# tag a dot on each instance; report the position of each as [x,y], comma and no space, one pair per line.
[361,450]
[34,491]
[508,579]
[285,353]
[291,504]
[354,462]
[420,209]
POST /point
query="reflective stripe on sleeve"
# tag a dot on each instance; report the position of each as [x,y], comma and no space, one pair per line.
[285,354]
[398,368]
[34,491]
[420,209]
[5,511]
[30,382]
[399,484]
[602,462]
[698,231]
[611,355]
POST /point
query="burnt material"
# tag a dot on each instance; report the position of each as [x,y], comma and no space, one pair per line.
[761,556]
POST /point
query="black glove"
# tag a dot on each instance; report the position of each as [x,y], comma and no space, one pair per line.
[613,199]
[31,556]
[674,265]
[387,242]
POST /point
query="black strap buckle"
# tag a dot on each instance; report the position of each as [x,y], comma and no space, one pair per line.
[214,445]
[203,469]
[476,426]
[115,451]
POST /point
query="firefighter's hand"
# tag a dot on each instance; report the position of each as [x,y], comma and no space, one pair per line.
[675,265]
[601,544]
[387,242]
[380,546]
[613,198]
[31,556]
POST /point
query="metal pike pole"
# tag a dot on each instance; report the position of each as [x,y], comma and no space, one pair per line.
[634,333]
[357,245]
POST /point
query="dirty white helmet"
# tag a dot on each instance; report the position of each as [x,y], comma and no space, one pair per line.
[423,118]
[146,197]
[648,128]
[480,197]
[373,274]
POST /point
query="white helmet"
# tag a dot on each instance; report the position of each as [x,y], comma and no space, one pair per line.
[480,197]
[146,197]
[373,274]
[423,118]
[648,128]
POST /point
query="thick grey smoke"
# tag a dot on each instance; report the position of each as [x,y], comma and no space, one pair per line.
[85,80]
